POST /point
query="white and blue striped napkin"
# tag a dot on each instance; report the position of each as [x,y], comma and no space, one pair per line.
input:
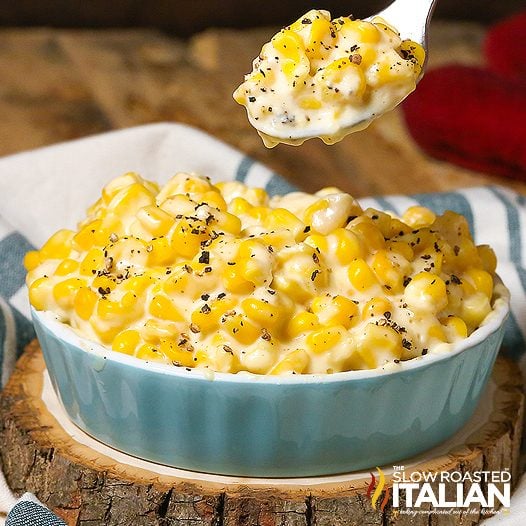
[50,188]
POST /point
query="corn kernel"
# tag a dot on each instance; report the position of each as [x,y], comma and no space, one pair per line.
[58,246]
[295,361]
[104,283]
[481,280]
[426,292]
[32,260]
[64,292]
[186,239]
[348,246]
[418,217]
[377,306]
[289,44]
[301,323]
[378,345]
[126,341]
[361,276]
[175,353]
[488,258]
[149,352]
[387,272]
[160,252]
[324,339]
[66,266]
[456,328]
[84,303]
[262,312]
[242,329]
[39,292]
[155,220]
[165,309]
[92,262]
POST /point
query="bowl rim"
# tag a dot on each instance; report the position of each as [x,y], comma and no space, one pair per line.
[493,322]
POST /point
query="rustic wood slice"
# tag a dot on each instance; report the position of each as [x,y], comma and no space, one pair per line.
[87,483]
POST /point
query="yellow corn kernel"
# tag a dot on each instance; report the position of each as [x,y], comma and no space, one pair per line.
[301,323]
[155,220]
[281,218]
[370,236]
[86,237]
[426,292]
[130,199]
[369,56]
[113,187]
[149,352]
[235,280]
[318,242]
[228,223]
[64,292]
[344,70]
[295,361]
[397,228]
[104,283]
[67,266]
[202,359]
[289,44]
[324,339]
[413,52]
[165,309]
[377,306]
[418,217]
[242,329]
[239,205]
[58,246]
[348,246]
[84,303]
[402,248]
[387,272]
[92,262]
[32,260]
[361,276]
[291,288]
[378,345]
[481,280]
[310,103]
[261,312]
[160,252]
[186,239]
[436,331]
[154,329]
[259,213]
[474,309]
[208,317]
[214,199]
[368,32]
[126,341]
[345,310]
[39,293]
[455,327]
[488,258]
[177,354]
[138,284]
[320,37]
[108,309]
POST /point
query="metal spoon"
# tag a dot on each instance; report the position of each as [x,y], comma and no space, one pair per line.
[411,19]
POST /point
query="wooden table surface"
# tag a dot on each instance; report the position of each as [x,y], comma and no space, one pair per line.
[57,85]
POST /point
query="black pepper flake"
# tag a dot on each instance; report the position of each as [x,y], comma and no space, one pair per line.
[188,269]
[314,275]
[204,257]
[272,292]
[456,250]
[114,237]
[205,309]
[252,99]
[221,295]
[387,315]
[424,351]
[351,218]
[406,344]
[306,21]
[315,258]
[306,229]
[205,297]
[265,335]
[456,280]
[207,269]
[228,349]
[425,256]
[194,328]
[103,291]
[231,263]
[375,216]
[407,280]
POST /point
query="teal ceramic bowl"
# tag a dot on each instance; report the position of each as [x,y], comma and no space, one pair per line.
[257,426]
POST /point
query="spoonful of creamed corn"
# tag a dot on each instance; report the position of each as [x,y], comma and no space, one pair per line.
[327,78]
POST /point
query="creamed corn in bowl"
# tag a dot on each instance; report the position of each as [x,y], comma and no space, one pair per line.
[226,278]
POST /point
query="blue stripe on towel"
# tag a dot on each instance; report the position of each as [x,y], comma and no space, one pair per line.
[243,168]
[12,250]
[278,186]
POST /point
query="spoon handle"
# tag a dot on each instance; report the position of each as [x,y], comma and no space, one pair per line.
[410,17]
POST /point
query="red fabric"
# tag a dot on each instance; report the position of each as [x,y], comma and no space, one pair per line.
[476,117]
[505,47]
